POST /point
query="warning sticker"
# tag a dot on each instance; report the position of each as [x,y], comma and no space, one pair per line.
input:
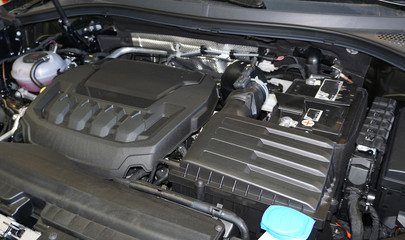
[308,123]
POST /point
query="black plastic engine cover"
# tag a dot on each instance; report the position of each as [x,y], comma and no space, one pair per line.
[120,114]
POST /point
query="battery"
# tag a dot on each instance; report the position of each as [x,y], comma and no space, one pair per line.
[325,109]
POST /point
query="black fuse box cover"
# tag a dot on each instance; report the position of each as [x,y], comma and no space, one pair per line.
[394,170]
[391,188]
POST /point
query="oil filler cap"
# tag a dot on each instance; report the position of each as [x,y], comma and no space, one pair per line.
[284,223]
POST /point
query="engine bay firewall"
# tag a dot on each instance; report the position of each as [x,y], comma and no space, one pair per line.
[120,114]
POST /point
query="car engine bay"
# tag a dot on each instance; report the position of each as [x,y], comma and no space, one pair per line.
[105,118]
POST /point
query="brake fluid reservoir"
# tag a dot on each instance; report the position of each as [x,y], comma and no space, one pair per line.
[35,70]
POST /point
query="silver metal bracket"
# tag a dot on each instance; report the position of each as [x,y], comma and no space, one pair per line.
[12,230]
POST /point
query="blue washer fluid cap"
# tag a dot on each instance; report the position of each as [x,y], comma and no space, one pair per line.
[285,223]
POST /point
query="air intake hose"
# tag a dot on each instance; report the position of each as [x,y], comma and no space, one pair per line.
[246,102]
[249,90]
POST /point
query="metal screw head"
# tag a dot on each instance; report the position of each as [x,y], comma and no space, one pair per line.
[53,236]
[18,33]
[218,228]
[352,51]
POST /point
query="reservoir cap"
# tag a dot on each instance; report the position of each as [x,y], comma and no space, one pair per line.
[285,223]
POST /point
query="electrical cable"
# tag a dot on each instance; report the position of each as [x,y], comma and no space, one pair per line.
[4,76]
[34,69]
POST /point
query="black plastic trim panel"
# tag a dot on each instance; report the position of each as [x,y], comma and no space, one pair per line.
[88,207]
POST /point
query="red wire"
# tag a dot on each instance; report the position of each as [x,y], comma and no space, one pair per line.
[349,235]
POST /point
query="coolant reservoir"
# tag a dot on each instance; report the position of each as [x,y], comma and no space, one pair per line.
[35,70]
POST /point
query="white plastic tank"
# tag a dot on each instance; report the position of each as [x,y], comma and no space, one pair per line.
[34,70]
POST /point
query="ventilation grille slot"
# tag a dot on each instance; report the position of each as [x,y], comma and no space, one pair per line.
[395,38]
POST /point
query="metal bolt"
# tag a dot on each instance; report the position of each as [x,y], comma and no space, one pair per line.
[18,95]
[18,33]
[352,51]
[218,228]
[53,236]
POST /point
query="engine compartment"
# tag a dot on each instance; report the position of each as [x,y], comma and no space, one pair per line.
[235,122]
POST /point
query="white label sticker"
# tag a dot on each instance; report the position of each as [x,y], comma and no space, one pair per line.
[329,90]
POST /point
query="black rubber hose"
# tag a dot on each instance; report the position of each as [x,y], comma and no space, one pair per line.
[190,202]
[71,33]
[152,174]
[245,102]
[237,107]
[375,229]
[34,69]
[4,119]
[162,175]
[355,215]
[61,12]
[73,50]
[232,74]
[160,181]
[140,173]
